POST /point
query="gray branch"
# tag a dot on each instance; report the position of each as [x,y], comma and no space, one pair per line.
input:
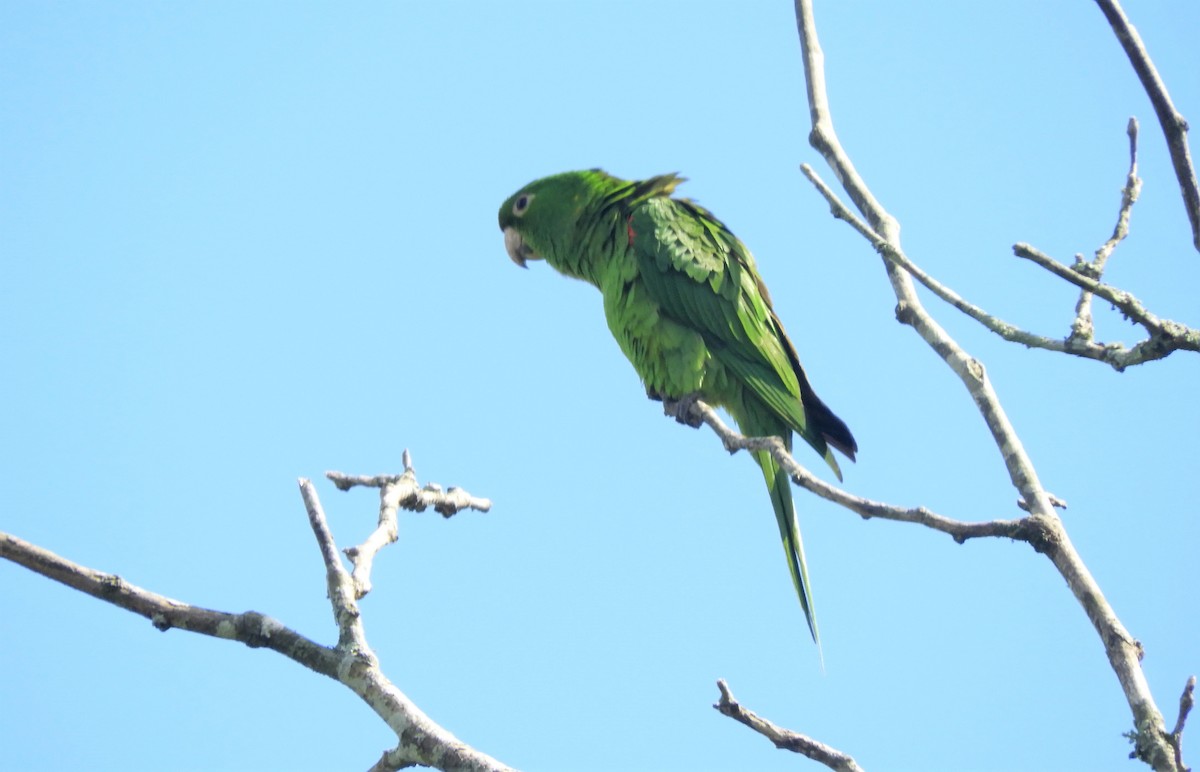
[446,503]
[1164,338]
[1083,326]
[1044,530]
[1187,701]
[351,662]
[1174,125]
[958,530]
[398,491]
[251,628]
[784,739]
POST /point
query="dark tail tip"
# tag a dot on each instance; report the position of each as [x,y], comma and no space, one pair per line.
[831,428]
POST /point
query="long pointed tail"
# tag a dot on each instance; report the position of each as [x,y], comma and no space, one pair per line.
[780,488]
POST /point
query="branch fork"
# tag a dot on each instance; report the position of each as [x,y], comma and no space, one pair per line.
[421,741]
[1041,527]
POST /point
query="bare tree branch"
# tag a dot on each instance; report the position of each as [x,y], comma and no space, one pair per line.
[959,530]
[1050,537]
[1045,534]
[1174,125]
[784,739]
[446,503]
[1077,274]
[1187,701]
[251,628]
[893,253]
[351,636]
[1083,326]
[398,491]
[421,741]
[1165,336]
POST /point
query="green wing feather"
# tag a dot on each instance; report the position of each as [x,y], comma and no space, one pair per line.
[702,276]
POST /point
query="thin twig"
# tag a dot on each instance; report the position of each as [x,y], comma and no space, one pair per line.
[398,491]
[896,255]
[1164,335]
[351,637]
[387,530]
[1125,302]
[446,503]
[1083,326]
[1165,338]
[1173,124]
[784,739]
[1187,701]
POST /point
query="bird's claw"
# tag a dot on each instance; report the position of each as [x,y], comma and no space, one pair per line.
[681,410]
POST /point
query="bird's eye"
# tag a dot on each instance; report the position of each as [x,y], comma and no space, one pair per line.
[522,203]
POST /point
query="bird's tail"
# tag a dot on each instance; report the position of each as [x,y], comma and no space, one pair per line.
[780,488]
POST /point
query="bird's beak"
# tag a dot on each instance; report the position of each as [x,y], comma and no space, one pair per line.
[518,250]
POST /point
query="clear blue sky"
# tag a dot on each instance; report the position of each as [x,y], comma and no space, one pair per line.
[243,243]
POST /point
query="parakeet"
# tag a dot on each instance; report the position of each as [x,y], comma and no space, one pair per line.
[686,304]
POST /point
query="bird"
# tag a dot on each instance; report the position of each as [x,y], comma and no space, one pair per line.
[686,304]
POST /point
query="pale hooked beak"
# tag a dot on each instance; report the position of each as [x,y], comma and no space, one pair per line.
[518,250]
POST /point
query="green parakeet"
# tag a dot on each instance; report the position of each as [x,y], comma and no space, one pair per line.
[687,306]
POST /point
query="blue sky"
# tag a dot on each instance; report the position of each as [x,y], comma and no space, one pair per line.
[244,243]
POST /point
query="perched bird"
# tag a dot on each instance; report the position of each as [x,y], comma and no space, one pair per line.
[687,306]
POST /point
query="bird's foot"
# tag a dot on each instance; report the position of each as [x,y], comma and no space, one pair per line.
[681,409]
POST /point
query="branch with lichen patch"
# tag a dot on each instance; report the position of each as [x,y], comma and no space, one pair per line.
[1165,336]
[1049,536]
[351,662]
[1083,327]
[398,491]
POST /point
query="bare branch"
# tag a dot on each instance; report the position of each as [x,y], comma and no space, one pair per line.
[251,628]
[421,740]
[446,503]
[910,310]
[1187,701]
[1129,196]
[1165,337]
[386,532]
[784,739]
[1049,537]
[351,636]
[398,491]
[1130,306]
[824,139]
[1173,124]
[959,530]
[1083,326]
[896,255]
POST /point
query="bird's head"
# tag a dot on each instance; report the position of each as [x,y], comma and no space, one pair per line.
[539,220]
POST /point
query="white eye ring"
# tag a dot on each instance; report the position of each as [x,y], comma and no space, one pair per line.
[522,203]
